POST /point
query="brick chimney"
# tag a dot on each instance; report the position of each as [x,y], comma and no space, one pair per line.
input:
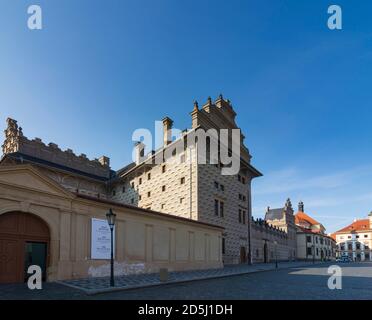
[167,131]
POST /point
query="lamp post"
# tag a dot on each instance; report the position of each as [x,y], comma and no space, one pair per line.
[111,222]
[276,254]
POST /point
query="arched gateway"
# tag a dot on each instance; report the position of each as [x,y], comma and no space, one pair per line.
[24,241]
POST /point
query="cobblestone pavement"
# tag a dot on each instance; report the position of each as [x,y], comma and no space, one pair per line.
[307,282]
[102,284]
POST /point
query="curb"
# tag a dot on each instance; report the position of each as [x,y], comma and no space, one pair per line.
[91,292]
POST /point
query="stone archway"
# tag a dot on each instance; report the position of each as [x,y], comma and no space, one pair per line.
[24,240]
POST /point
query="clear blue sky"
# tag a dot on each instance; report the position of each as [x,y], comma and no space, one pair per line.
[100,69]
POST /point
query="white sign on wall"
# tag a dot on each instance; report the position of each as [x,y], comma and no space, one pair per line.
[101,240]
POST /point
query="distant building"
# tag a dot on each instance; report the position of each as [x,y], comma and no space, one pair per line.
[312,241]
[355,240]
[275,237]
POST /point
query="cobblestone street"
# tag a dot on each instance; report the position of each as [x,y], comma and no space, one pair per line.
[309,282]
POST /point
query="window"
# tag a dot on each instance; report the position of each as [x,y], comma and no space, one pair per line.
[243,216]
[222,187]
[132,185]
[317,251]
[321,240]
[123,189]
[243,180]
[216,185]
[240,215]
[113,193]
[216,207]
[358,246]
[257,253]
[140,181]
[149,176]
[132,200]
[222,208]
[316,239]
[366,236]
[308,238]
[239,178]
[240,196]
[162,205]
[244,198]
[309,251]
[163,168]
[357,236]
[149,194]
[183,180]
[163,188]
[350,246]
[349,237]
[223,245]
[139,197]
[182,200]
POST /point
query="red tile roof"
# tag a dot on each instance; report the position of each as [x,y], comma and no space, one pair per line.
[359,225]
[303,217]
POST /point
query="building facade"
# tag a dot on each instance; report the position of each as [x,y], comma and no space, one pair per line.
[312,241]
[179,213]
[355,240]
[180,185]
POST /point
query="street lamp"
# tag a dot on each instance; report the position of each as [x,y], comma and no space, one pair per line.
[276,255]
[111,222]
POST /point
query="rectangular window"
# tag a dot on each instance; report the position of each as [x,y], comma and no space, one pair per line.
[216,185]
[181,200]
[239,178]
[365,236]
[149,194]
[139,197]
[240,215]
[132,200]
[222,208]
[308,239]
[163,169]
[216,207]
[183,180]
[149,176]
[222,187]
[240,196]
[243,216]
[163,188]
[162,205]
[132,185]
[243,180]
[114,192]
[309,253]
[244,198]
[123,189]
[140,181]
[223,246]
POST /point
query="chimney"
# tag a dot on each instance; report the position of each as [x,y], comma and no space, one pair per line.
[301,206]
[105,161]
[167,131]
[139,152]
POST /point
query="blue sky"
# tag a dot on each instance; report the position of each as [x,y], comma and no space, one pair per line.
[101,69]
